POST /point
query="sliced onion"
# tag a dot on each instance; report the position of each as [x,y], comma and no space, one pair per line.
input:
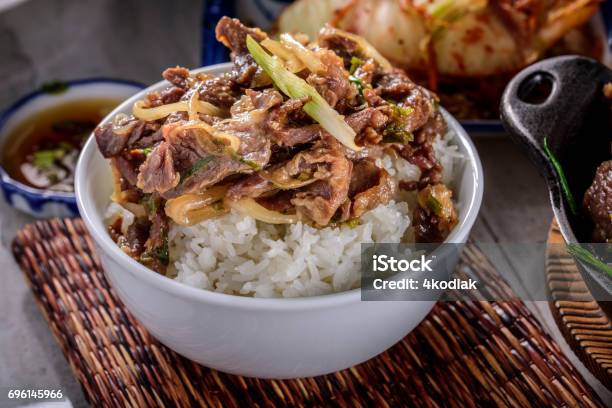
[286,184]
[137,209]
[116,196]
[292,184]
[192,106]
[208,108]
[234,141]
[250,207]
[308,57]
[120,197]
[365,47]
[159,112]
[291,61]
[277,49]
[190,209]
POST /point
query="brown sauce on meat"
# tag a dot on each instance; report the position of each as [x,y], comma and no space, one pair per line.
[42,151]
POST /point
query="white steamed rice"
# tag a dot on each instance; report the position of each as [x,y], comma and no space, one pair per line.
[237,255]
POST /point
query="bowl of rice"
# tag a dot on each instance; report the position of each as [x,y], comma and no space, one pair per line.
[245,296]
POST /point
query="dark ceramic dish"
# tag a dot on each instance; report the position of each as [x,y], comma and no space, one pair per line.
[561,99]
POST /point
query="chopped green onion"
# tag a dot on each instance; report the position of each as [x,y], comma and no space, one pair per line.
[147,151]
[250,163]
[397,134]
[584,255]
[358,83]
[563,181]
[434,205]
[46,158]
[355,63]
[162,253]
[401,111]
[295,87]
[352,223]
[197,166]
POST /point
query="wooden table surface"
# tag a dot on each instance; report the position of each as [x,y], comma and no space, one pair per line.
[89,38]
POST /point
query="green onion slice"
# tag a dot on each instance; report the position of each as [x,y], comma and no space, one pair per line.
[586,256]
[295,87]
[564,184]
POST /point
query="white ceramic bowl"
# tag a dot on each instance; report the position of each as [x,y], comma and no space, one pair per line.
[269,338]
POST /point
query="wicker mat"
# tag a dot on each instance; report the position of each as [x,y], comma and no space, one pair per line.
[465,354]
[584,325]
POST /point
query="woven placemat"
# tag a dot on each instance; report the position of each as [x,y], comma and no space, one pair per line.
[585,327]
[465,354]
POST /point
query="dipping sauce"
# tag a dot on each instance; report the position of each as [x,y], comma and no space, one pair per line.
[42,151]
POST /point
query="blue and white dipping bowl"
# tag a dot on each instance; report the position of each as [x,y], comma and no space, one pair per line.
[42,203]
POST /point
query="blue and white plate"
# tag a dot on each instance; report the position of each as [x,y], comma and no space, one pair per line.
[46,203]
[263,13]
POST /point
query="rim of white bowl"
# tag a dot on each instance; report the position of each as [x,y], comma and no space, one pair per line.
[141,272]
[23,102]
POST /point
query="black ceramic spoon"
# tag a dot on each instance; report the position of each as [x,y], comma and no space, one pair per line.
[561,99]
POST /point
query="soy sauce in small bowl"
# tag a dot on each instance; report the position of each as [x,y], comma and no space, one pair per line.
[42,152]
[41,136]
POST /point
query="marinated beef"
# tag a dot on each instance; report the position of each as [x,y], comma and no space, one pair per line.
[157,173]
[221,91]
[370,187]
[423,156]
[367,118]
[151,135]
[136,236]
[177,76]
[184,162]
[320,200]
[318,180]
[434,127]
[113,137]
[125,133]
[255,147]
[232,33]
[280,201]
[251,186]
[210,171]
[258,143]
[435,215]
[287,134]
[128,169]
[598,203]
[342,46]
[190,160]
[333,84]
[170,95]
[421,104]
